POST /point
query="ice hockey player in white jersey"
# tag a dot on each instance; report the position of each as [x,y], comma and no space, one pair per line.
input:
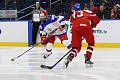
[54,27]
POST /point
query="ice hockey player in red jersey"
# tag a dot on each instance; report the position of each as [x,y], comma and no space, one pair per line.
[82,23]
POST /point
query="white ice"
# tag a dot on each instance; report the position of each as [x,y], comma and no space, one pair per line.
[27,67]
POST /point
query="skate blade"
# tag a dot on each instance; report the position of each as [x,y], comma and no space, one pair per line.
[64,64]
[88,65]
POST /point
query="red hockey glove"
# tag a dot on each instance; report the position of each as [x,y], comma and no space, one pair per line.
[43,40]
[60,28]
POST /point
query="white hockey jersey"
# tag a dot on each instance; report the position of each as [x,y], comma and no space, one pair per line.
[52,23]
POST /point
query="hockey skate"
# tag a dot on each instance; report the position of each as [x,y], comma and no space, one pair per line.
[68,60]
[88,62]
[47,55]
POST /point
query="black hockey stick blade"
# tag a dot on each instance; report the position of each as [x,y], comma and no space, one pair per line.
[13,59]
[46,67]
[50,67]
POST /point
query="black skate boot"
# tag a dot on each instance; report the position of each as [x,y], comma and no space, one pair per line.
[47,55]
[68,60]
[88,62]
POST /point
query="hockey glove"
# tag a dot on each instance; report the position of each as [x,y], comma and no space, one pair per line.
[44,40]
[60,28]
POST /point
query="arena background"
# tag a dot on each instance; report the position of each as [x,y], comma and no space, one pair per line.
[15,22]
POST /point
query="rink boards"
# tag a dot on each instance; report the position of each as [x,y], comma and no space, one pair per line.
[19,33]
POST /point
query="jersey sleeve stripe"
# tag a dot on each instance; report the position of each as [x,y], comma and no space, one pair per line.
[63,19]
[61,34]
[92,14]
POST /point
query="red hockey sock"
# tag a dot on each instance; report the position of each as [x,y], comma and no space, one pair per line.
[89,54]
[73,54]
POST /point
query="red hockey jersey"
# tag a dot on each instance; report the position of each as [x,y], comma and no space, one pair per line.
[84,18]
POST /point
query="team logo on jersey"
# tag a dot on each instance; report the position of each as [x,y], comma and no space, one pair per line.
[49,29]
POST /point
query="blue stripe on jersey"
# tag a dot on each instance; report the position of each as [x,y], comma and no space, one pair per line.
[92,13]
[51,19]
[69,46]
[61,34]
[62,20]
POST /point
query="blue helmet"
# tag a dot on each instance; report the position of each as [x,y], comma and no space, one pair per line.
[76,7]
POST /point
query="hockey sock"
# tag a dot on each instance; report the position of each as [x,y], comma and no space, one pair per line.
[73,53]
[89,51]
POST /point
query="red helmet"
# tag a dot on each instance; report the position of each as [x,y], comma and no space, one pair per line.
[44,12]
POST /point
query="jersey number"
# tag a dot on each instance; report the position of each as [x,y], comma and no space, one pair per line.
[80,15]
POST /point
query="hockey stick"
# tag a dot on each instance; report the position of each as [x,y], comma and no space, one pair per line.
[23,53]
[50,67]
[13,59]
